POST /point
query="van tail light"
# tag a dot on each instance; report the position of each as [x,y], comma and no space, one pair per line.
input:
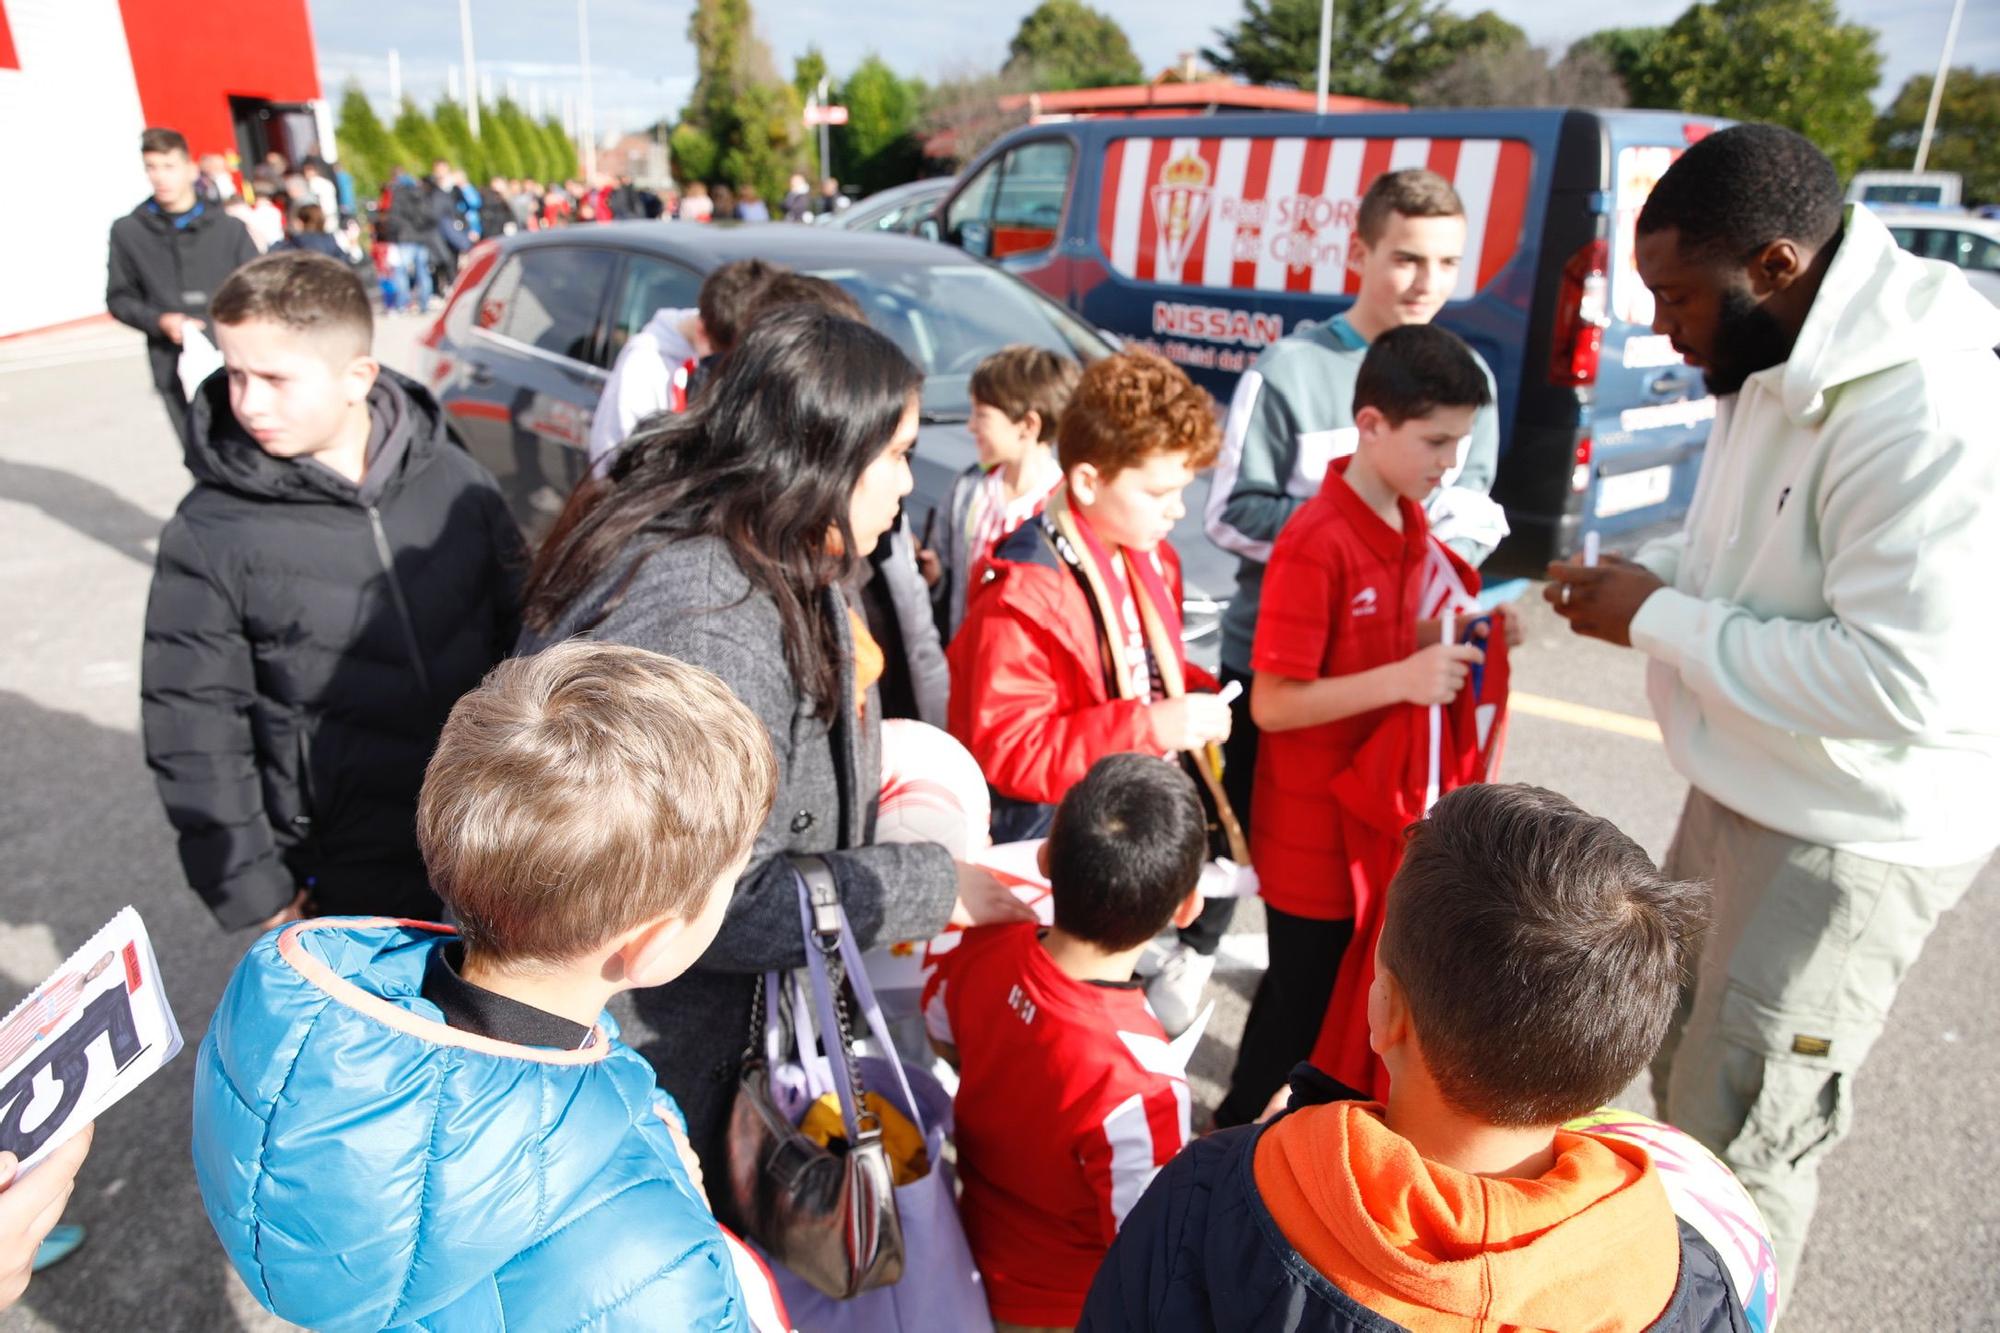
[1579,475]
[1582,311]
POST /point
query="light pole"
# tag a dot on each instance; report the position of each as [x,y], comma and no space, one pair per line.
[589,113]
[825,160]
[1937,85]
[1327,47]
[471,71]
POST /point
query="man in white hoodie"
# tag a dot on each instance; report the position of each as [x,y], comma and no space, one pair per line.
[656,367]
[1821,638]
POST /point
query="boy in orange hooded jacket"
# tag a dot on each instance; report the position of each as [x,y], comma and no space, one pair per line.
[1526,972]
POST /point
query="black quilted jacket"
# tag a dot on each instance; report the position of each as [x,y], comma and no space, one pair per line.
[305,639]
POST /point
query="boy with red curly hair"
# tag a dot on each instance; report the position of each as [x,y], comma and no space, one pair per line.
[1071,646]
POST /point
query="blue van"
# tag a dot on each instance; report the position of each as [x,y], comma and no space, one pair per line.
[1208,238]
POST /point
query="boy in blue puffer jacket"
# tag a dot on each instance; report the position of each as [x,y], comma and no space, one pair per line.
[399,1127]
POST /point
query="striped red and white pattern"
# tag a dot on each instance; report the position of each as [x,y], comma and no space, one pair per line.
[1275,214]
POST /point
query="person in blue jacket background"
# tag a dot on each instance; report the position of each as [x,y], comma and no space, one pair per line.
[399,1126]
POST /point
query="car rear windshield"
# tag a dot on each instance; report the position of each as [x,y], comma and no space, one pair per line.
[950,317]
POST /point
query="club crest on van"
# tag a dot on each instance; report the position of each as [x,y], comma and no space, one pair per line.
[1180,204]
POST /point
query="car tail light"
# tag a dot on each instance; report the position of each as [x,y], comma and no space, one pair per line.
[1579,475]
[432,364]
[1582,311]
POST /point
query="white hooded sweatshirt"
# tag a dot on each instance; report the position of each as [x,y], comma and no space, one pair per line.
[642,380]
[1825,653]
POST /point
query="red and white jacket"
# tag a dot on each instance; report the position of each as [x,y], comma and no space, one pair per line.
[1031,697]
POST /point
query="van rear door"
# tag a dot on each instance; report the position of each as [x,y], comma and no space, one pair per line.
[1211,245]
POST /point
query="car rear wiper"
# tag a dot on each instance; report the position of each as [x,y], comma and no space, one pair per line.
[936,418]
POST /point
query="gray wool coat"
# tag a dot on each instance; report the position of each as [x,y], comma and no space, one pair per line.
[691,601]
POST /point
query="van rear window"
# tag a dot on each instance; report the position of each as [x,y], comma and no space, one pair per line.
[1639,170]
[1275,214]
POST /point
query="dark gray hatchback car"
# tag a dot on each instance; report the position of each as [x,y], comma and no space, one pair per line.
[520,354]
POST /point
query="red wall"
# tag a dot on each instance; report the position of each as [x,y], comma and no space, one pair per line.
[190,59]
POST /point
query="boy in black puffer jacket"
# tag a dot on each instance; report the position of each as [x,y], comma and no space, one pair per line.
[340,574]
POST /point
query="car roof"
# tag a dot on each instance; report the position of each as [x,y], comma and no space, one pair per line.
[909,189]
[703,247]
[1412,123]
[1935,218]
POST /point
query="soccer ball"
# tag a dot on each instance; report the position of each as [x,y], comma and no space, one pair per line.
[1708,1197]
[932,791]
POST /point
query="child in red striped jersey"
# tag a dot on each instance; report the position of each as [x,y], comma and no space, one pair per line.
[1070,1097]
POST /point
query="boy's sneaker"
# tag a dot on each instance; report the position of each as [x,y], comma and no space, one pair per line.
[1175,990]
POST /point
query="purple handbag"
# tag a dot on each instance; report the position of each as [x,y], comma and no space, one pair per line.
[938,1287]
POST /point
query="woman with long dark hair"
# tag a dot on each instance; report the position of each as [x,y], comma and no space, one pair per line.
[724,536]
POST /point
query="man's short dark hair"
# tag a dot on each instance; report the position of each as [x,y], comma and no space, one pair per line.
[1125,850]
[1540,951]
[726,297]
[305,292]
[787,288]
[157,140]
[1742,188]
[1413,370]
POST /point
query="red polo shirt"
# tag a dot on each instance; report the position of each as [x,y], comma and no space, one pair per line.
[1340,597]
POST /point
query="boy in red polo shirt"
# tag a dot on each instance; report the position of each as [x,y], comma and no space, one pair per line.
[1347,635]
[1070,1098]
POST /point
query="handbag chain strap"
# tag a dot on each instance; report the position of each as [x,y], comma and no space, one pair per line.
[753,1045]
[823,896]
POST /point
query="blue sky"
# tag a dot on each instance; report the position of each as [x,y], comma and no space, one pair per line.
[643,67]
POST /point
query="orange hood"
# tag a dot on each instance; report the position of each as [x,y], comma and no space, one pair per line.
[1590,1247]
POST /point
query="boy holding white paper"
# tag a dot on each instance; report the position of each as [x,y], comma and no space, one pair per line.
[1349,641]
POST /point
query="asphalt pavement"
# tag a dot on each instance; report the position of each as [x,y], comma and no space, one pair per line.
[1910,1217]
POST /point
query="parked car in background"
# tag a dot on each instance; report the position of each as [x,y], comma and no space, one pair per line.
[1905,189]
[519,355]
[901,208]
[1957,238]
[1211,237]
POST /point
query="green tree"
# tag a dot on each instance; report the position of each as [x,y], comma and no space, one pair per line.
[1968,125]
[559,151]
[497,145]
[1633,54]
[753,117]
[418,135]
[1789,62]
[367,149]
[523,141]
[694,154]
[1485,40]
[456,132]
[878,146]
[808,70]
[1379,48]
[1525,76]
[962,115]
[1067,44]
